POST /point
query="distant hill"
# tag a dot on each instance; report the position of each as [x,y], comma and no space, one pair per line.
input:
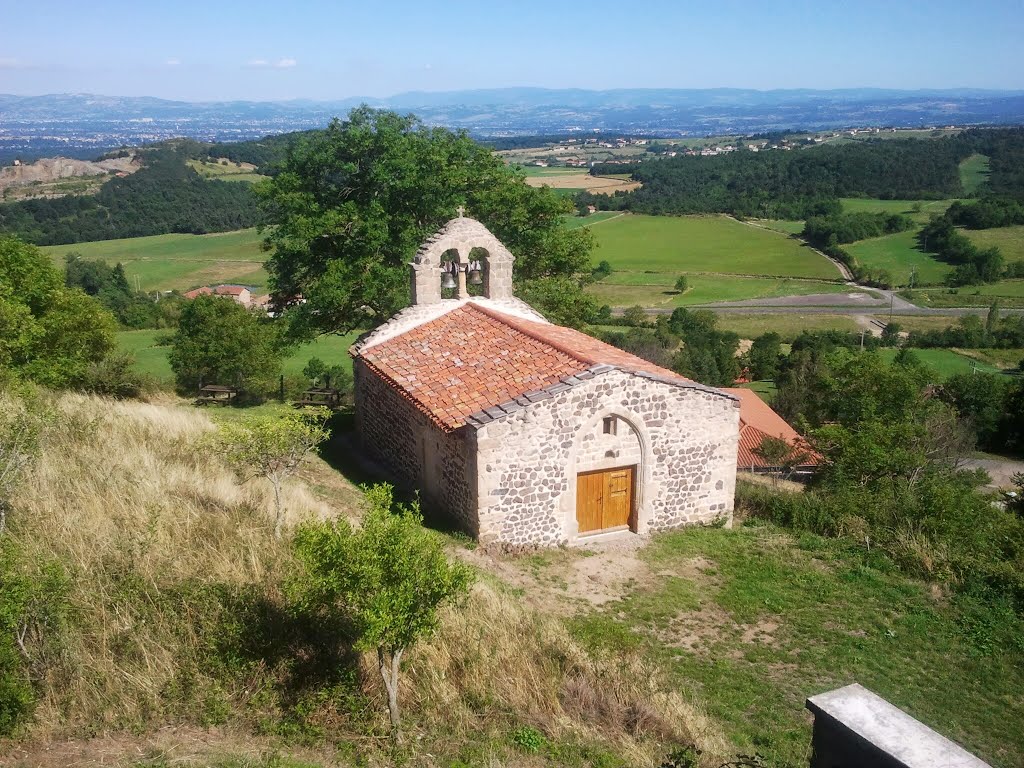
[74,124]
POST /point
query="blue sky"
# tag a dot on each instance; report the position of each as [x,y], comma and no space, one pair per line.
[324,50]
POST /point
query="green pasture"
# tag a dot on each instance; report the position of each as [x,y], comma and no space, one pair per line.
[574,222]
[230,172]
[974,173]
[899,254]
[719,244]
[1009,240]
[788,325]
[1009,293]
[533,170]
[151,358]
[781,225]
[928,208]
[945,362]
[179,262]
[627,289]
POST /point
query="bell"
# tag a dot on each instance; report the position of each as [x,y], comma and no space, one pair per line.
[448,281]
[475,277]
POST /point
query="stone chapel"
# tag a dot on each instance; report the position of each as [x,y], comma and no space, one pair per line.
[527,433]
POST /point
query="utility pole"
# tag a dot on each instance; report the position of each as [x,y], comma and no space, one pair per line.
[862,339]
[892,300]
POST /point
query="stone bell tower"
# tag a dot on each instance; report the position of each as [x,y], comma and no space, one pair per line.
[461,235]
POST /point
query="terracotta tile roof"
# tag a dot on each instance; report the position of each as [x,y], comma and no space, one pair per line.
[229,290]
[474,358]
[758,421]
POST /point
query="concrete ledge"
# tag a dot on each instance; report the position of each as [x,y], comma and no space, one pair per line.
[854,728]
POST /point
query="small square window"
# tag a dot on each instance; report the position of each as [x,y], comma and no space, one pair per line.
[609,425]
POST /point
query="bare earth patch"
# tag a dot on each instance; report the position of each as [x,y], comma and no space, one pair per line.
[599,184]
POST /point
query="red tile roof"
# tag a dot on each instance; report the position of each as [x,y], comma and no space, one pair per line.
[758,421]
[474,358]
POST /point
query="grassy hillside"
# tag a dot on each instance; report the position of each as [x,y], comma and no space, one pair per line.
[151,359]
[168,262]
[1009,240]
[677,244]
[899,254]
[180,619]
[974,173]
[179,625]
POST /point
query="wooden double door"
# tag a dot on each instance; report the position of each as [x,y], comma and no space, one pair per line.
[604,499]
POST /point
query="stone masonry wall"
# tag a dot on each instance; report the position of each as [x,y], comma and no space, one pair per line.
[418,454]
[527,461]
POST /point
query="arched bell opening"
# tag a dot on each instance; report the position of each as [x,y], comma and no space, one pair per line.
[451,271]
[478,273]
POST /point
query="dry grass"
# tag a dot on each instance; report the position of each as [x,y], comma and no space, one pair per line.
[145,523]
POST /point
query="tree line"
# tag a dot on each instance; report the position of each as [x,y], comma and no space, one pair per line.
[800,184]
[165,196]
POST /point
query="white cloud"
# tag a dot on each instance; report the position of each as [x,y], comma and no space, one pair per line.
[283,63]
[172,62]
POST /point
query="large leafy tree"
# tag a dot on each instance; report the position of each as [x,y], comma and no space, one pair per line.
[353,202]
[219,341]
[49,334]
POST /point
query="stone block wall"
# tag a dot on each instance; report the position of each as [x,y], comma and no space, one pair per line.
[419,455]
[527,461]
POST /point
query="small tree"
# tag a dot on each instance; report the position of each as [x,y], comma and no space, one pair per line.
[635,316]
[273,447]
[318,372]
[780,456]
[681,284]
[390,578]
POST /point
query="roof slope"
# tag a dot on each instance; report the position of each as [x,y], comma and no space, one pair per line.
[758,421]
[473,358]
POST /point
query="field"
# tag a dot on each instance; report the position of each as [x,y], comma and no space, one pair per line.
[899,255]
[944,362]
[716,244]
[974,173]
[574,222]
[1009,293]
[151,359]
[1009,240]
[227,171]
[169,262]
[626,289]
[573,179]
[928,209]
[788,326]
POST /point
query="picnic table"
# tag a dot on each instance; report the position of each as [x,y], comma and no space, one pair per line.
[325,397]
[215,394]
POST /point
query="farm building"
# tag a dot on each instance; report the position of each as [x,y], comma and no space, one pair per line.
[757,422]
[525,432]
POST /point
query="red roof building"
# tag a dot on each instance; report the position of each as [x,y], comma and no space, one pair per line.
[758,421]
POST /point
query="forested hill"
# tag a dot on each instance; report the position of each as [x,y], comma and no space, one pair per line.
[165,196]
[802,183]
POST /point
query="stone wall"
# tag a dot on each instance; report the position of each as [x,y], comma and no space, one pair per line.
[419,455]
[527,461]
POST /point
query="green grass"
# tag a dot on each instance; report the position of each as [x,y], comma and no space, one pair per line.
[1009,240]
[169,262]
[899,255]
[1010,293]
[575,222]
[781,225]
[230,172]
[533,170]
[944,362]
[719,244]
[151,359]
[1004,359]
[756,620]
[974,173]
[788,325]
[626,289]
[928,208]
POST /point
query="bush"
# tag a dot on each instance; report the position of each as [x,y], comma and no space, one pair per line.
[114,376]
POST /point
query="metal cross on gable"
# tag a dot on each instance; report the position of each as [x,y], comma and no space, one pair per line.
[462,211]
